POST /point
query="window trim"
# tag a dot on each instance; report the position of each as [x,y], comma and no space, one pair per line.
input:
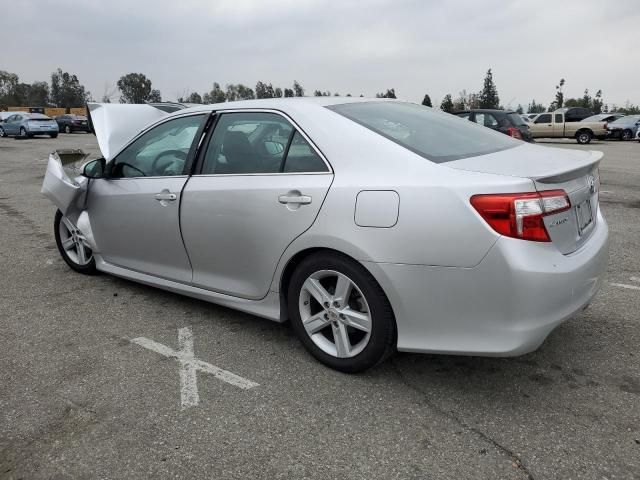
[199,163]
[192,149]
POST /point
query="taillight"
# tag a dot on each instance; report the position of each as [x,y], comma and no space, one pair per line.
[520,215]
[514,132]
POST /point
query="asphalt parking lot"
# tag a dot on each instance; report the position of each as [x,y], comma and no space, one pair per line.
[79,398]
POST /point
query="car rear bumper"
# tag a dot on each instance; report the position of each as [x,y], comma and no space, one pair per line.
[505,306]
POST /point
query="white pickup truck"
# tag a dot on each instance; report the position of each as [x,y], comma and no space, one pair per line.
[553,125]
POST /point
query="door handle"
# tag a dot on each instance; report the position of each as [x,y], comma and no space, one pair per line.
[164,196]
[291,198]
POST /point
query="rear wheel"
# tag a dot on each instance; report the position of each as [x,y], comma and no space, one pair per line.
[2,132]
[340,313]
[53,135]
[24,134]
[72,245]
[584,136]
[626,135]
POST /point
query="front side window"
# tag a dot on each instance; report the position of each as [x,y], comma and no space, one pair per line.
[544,118]
[256,142]
[436,136]
[162,151]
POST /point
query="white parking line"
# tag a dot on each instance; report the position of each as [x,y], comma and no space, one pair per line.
[629,287]
[189,366]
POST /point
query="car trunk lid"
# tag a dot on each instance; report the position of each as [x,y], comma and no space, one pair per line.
[574,171]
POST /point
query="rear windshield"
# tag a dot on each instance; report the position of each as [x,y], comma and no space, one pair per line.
[436,136]
[516,119]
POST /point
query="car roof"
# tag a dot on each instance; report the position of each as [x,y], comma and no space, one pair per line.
[283,103]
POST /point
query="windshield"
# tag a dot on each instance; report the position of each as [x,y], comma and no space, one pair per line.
[626,120]
[436,136]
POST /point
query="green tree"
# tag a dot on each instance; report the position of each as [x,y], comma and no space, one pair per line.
[447,104]
[67,91]
[488,97]
[426,101]
[38,94]
[596,103]
[264,91]
[194,97]
[297,89]
[535,107]
[136,88]
[8,87]
[216,95]
[559,101]
[277,92]
[288,92]
[390,93]
[520,110]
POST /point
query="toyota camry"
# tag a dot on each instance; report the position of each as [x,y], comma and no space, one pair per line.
[371,225]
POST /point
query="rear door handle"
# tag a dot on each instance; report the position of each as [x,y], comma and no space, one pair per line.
[166,196]
[299,199]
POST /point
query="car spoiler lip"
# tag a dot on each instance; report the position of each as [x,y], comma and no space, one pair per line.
[115,124]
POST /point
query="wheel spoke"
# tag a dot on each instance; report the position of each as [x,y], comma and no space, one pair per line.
[356,319]
[68,243]
[343,290]
[82,254]
[67,223]
[341,339]
[315,323]
[318,292]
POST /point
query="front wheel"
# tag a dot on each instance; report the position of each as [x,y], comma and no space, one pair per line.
[72,245]
[583,137]
[626,135]
[340,313]
[67,129]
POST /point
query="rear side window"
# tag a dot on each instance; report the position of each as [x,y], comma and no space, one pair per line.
[256,142]
[436,136]
[486,120]
[558,118]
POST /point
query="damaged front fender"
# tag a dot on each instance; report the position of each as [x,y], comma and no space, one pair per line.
[63,183]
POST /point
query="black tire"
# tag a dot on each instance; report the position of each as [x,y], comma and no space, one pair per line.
[584,136]
[24,134]
[626,135]
[53,135]
[382,340]
[88,269]
[2,133]
[67,129]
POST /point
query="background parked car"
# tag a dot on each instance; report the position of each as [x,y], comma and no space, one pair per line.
[603,117]
[27,125]
[555,125]
[72,123]
[5,115]
[505,121]
[624,128]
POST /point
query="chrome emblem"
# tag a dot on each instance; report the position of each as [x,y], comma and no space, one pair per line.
[591,182]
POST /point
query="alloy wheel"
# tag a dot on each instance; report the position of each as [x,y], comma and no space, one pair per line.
[2,132]
[67,129]
[23,132]
[74,243]
[335,313]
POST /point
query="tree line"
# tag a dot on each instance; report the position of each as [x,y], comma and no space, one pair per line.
[65,90]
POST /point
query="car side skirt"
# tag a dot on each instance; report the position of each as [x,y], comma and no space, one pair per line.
[268,307]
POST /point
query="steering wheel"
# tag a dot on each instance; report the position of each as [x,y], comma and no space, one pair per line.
[174,153]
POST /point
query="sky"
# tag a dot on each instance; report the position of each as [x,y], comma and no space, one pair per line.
[345,46]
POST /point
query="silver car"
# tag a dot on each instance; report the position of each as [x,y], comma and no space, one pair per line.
[372,225]
[26,125]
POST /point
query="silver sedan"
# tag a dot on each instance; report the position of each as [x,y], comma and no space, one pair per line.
[372,225]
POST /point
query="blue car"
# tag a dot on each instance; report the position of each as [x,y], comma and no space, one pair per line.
[26,125]
[624,128]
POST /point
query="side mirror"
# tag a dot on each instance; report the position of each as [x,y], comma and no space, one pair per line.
[95,168]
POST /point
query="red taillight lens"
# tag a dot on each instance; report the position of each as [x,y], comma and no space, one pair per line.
[514,132]
[520,215]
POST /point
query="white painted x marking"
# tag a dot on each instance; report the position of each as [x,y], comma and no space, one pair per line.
[189,366]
